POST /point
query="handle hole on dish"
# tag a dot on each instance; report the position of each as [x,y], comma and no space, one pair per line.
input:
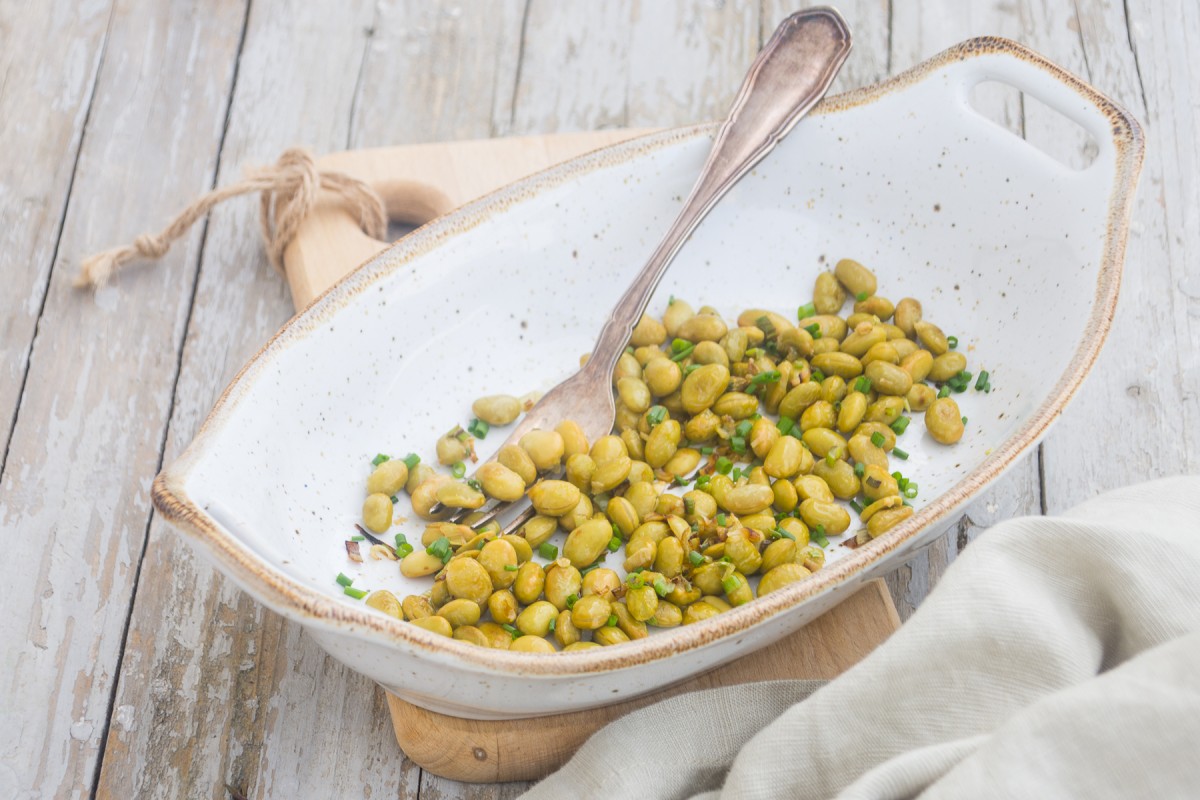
[1038,124]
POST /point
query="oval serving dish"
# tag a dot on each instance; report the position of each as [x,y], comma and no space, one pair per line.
[1016,253]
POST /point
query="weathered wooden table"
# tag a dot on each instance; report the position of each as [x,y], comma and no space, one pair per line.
[133,670]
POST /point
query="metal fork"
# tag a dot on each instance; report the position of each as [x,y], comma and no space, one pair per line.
[790,74]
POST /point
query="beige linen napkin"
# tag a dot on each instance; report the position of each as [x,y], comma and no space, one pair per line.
[1058,657]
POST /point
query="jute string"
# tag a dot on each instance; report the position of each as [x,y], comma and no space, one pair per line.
[288,189]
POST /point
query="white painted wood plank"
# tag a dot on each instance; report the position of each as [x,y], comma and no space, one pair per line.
[1136,417]
[214,689]
[74,500]
[49,55]
[437,71]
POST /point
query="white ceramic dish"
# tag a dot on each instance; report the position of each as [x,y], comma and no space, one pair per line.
[1017,254]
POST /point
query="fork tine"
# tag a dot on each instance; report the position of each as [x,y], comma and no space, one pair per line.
[526,514]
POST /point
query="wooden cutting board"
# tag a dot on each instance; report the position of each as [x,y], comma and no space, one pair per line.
[418,183]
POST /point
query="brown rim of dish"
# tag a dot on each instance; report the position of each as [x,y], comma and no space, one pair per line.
[296,599]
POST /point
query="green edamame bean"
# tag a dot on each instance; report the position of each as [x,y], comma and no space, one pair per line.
[497,409]
[377,512]
[500,482]
[943,420]
[388,478]
[702,388]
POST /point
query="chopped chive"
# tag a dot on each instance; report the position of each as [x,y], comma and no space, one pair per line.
[784,534]
[475,484]
[679,345]
[770,376]
[411,460]
[478,428]
[671,300]
[357,594]
[785,425]
[401,539]
[818,536]
[944,392]
[656,414]
[818,376]
[730,584]
[682,354]
[701,482]
[343,580]
[512,630]
[861,296]
[899,426]
[661,588]
[862,384]
[743,428]
[738,444]
[737,473]
[591,567]
[805,311]
[722,520]
[983,380]
[440,548]
[900,454]
[859,469]
[833,455]
[612,621]
[689,505]
[690,368]
[814,330]
[964,420]
[877,439]
[358,538]
[630,350]
[857,508]
[572,599]
[614,544]
[724,465]
[952,341]
[511,567]
[547,551]
[394,499]
[696,558]
[403,549]
[634,580]
[910,491]
[379,459]
[553,624]
[459,469]
[764,323]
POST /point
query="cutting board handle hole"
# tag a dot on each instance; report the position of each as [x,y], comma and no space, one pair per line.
[410,204]
[1038,124]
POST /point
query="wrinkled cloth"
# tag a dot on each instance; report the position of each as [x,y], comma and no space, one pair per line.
[1057,657]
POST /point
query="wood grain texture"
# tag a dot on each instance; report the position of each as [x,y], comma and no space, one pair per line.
[48,66]
[485,751]
[212,689]
[219,691]
[74,502]
[1146,383]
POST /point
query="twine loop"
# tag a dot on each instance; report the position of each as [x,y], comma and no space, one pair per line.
[289,190]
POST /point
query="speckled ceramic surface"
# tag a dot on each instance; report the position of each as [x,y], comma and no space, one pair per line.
[504,295]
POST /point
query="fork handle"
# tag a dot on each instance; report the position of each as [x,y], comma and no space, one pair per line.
[787,78]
